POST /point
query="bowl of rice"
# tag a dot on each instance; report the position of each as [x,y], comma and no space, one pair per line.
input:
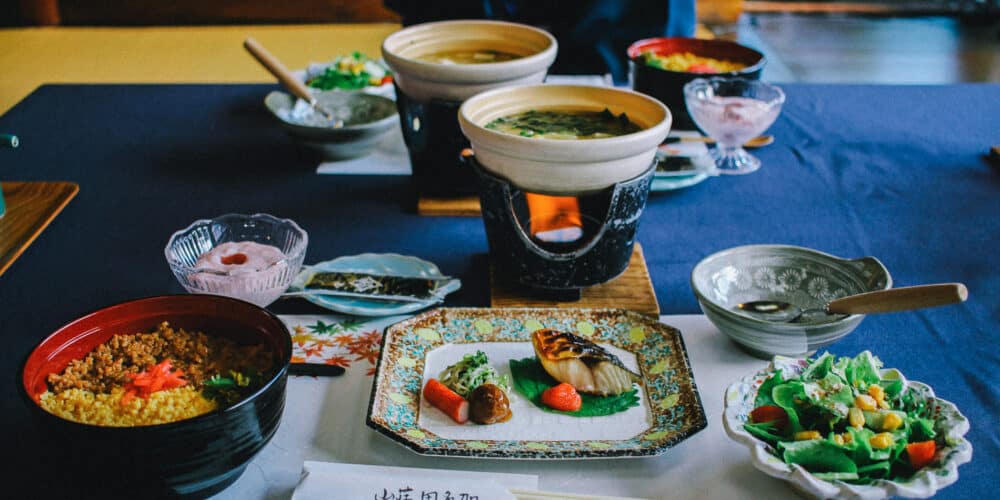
[660,67]
[176,394]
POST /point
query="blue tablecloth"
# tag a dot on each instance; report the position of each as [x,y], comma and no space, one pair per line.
[888,171]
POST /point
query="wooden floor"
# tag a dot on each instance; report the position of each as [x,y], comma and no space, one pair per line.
[826,48]
[837,48]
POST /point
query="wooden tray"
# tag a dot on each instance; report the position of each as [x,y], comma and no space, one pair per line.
[633,290]
[460,207]
[31,206]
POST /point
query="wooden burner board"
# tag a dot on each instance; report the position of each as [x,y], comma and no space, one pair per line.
[633,290]
[455,207]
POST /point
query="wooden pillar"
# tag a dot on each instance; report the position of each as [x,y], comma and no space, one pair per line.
[41,12]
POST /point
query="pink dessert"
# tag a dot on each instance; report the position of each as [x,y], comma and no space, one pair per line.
[239,257]
[244,270]
[732,120]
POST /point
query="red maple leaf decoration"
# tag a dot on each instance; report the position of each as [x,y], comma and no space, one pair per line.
[313,350]
[366,346]
[344,340]
[338,361]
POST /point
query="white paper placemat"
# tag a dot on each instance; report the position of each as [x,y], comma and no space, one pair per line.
[325,480]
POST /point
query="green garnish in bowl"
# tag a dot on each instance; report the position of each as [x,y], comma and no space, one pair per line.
[352,72]
[855,428]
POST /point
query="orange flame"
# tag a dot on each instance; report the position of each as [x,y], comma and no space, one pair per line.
[550,214]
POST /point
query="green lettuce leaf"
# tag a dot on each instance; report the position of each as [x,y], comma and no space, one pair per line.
[764,392]
[863,370]
[818,455]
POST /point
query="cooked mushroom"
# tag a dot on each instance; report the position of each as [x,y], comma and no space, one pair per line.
[488,404]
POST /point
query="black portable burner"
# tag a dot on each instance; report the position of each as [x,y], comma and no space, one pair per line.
[556,246]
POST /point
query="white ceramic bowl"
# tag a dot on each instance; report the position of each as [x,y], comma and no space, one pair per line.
[423,80]
[798,275]
[739,402]
[556,166]
[367,121]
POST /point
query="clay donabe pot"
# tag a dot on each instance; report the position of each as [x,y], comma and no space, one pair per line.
[564,167]
[428,94]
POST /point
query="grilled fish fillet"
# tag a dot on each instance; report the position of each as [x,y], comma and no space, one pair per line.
[581,363]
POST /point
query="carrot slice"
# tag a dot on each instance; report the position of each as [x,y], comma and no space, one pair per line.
[447,400]
[562,397]
[921,453]
[154,378]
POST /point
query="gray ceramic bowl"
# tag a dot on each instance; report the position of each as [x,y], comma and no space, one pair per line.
[801,276]
[367,118]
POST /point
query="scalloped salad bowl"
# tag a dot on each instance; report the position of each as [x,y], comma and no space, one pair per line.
[950,424]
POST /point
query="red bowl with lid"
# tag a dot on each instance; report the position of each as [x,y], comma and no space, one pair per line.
[668,86]
[190,458]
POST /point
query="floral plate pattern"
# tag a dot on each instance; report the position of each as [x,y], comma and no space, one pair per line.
[674,405]
[739,402]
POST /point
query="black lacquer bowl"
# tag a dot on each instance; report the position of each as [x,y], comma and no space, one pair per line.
[192,458]
[668,86]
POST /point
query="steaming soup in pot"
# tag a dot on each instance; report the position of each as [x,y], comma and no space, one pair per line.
[559,124]
[468,57]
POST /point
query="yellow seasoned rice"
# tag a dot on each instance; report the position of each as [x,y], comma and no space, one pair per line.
[682,61]
[106,409]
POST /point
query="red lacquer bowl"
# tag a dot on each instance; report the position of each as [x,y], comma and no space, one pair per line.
[190,458]
[668,86]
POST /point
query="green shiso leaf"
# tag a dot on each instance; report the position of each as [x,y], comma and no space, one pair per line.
[531,380]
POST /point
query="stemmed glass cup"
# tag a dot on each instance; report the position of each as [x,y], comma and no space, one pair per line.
[731,111]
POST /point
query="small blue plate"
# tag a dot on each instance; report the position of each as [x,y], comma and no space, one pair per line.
[372,263]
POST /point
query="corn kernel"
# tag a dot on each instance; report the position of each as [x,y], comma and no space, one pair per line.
[881,441]
[891,422]
[848,438]
[876,391]
[856,418]
[807,435]
[837,438]
[883,404]
[865,402]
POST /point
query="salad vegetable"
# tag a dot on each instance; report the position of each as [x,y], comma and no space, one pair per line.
[842,421]
[355,71]
[472,371]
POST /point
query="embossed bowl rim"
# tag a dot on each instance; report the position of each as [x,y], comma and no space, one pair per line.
[774,326]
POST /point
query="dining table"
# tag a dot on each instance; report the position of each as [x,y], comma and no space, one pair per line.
[896,172]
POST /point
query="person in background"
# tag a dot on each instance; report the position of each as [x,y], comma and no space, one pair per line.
[593,35]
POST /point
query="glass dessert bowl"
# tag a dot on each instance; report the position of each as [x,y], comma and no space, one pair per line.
[248,257]
[732,111]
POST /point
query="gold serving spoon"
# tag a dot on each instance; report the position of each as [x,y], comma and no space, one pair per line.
[756,142]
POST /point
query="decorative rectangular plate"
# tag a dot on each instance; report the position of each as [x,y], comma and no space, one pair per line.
[417,349]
